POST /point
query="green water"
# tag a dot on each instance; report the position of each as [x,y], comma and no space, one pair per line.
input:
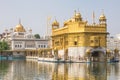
[33,70]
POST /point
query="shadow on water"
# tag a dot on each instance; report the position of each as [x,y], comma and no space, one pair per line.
[97,71]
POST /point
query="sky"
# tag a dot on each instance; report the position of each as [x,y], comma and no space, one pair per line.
[34,13]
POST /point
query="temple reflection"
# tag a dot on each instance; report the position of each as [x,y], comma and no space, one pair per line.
[33,70]
[83,71]
[97,71]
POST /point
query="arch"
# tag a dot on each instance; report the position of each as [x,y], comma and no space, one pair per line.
[98,55]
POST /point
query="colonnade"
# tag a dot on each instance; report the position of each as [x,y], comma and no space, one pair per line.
[39,53]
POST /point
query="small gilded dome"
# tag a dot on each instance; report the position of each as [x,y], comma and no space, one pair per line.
[108,51]
[19,28]
[102,17]
[77,15]
[55,23]
[88,51]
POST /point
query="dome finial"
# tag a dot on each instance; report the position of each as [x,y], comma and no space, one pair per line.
[55,23]
[19,21]
[75,11]
[78,10]
[93,16]
[102,11]
[77,16]
[102,16]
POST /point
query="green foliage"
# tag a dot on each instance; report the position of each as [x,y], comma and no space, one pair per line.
[4,45]
[37,36]
[4,65]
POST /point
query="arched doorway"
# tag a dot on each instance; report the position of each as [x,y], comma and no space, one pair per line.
[95,54]
[98,55]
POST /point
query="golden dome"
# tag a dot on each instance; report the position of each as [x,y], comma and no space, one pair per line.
[19,28]
[116,50]
[55,23]
[77,15]
[88,51]
[102,17]
[108,51]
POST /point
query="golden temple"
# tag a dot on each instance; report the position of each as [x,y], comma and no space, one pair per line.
[77,36]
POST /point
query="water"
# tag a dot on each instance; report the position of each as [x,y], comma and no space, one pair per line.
[33,70]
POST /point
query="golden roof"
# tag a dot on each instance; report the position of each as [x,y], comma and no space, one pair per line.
[19,28]
[102,17]
[55,23]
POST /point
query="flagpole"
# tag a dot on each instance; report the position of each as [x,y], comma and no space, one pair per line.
[93,16]
[48,25]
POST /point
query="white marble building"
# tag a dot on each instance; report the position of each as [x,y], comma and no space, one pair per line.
[21,39]
[113,42]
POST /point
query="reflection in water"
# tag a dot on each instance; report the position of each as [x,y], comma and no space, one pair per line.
[4,65]
[33,70]
[98,71]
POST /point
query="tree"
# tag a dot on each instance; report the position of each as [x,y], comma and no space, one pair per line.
[4,45]
[37,36]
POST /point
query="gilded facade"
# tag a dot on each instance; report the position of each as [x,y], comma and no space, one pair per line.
[77,35]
